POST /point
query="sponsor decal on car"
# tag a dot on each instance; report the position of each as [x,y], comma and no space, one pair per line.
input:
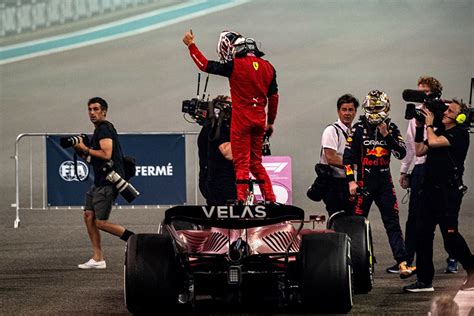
[225,212]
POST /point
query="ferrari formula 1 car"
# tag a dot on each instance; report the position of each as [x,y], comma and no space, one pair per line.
[255,255]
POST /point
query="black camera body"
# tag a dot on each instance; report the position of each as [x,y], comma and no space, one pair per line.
[201,110]
[220,112]
[412,112]
[126,189]
[266,151]
[67,142]
[431,101]
[197,109]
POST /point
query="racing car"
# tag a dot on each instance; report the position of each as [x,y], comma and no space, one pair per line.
[249,254]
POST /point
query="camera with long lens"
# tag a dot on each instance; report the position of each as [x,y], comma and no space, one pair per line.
[197,109]
[431,101]
[126,189]
[66,142]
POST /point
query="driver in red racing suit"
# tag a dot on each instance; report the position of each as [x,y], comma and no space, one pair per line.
[253,84]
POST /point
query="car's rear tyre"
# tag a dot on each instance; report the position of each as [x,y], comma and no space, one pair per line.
[151,274]
[325,279]
[358,228]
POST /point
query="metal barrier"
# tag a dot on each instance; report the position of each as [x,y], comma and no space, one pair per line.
[36,174]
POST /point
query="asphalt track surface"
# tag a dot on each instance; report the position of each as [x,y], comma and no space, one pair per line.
[320,50]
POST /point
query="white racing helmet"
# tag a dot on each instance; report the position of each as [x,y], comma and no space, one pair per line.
[225,45]
[376,107]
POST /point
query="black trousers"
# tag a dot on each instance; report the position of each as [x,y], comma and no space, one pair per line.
[382,192]
[414,206]
[441,205]
[337,197]
[414,211]
[221,191]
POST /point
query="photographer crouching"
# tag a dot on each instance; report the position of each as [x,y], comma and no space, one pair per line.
[442,191]
[104,148]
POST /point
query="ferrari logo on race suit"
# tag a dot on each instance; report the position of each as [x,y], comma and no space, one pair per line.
[255,65]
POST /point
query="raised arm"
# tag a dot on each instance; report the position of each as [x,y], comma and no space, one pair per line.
[209,66]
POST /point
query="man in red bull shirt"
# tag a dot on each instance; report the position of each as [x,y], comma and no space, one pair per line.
[253,85]
[374,139]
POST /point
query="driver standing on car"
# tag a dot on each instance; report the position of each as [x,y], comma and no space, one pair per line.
[253,85]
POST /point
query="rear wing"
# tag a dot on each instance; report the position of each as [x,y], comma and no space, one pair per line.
[234,216]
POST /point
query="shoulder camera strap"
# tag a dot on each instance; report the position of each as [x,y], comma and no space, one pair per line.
[337,128]
[216,128]
[340,128]
[115,143]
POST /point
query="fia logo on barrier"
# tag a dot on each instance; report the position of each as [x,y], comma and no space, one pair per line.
[68,172]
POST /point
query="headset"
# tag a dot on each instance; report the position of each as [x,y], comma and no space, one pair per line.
[461,117]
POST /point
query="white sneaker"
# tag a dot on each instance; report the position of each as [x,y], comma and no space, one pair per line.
[92,264]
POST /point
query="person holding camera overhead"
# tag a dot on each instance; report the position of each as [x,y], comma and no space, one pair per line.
[253,85]
[333,143]
[442,191]
[221,173]
[104,147]
[432,87]
[216,173]
[374,138]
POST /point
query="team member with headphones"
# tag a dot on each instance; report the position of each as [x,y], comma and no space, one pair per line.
[430,86]
[442,192]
